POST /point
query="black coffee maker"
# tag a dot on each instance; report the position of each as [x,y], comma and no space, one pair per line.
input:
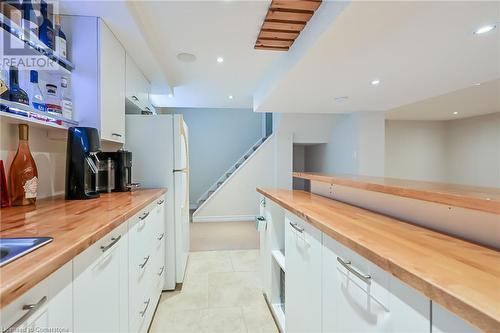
[81,169]
[117,171]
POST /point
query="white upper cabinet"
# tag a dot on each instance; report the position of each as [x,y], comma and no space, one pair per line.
[112,84]
[99,78]
[303,276]
[359,296]
[137,86]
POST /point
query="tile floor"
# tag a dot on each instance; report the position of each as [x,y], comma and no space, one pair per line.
[221,293]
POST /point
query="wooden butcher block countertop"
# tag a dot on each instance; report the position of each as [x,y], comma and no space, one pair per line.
[461,276]
[75,225]
[485,199]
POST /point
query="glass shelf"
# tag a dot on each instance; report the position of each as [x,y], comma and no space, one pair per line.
[17,112]
[65,66]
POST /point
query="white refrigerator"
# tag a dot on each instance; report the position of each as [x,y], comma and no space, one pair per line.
[160,158]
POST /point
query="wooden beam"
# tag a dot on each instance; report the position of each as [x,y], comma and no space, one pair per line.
[278,34]
[271,42]
[285,27]
[298,5]
[271,48]
[281,16]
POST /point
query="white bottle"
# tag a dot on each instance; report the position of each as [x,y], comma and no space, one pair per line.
[66,101]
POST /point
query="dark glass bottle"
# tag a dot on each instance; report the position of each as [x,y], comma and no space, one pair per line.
[17,94]
[31,18]
[23,175]
[46,30]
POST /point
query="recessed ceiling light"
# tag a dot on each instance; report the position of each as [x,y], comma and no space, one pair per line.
[375,82]
[477,84]
[170,95]
[220,60]
[341,99]
[186,57]
[455,113]
[230,96]
[485,29]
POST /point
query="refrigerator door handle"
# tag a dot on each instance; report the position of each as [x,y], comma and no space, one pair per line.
[181,170]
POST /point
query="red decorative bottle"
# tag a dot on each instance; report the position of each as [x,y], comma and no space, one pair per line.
[23,175]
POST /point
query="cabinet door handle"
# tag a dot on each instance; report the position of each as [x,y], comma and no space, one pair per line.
[161,270]
[143,216]
[135,98]
[31,308]
[116,134]
[296,227]
[348,265]
[146,259]
[161,236]
[114,240]
[143,312]
[159,202]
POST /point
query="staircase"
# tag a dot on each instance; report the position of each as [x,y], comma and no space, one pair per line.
[226,175]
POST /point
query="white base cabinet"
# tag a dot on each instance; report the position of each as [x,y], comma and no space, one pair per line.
[303,276]
[358,296]
[45,308]
[443,321]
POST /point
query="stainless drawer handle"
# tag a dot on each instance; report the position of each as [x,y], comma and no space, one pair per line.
[143,312]
[161,236]
[296,227]
[348,265]
[116,134]
[161,270]
[135,98]
[159,202]
[143,216]
[31,308]
[114,240]
[146,259]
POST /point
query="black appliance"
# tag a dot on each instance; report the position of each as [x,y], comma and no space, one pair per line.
[81,169]
[115,170]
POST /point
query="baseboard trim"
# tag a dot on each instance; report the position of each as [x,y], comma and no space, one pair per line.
[230,218]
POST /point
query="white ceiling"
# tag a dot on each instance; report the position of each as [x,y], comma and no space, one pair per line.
[468,102]
[208,29]
[417,49]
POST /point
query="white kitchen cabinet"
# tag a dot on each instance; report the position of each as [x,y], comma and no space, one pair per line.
[100,295]
[46,307]
[137,86]
[359,296]
[443,321]
[98,80]
[303,276]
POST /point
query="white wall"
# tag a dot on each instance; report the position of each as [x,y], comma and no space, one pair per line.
[463,151]
[415,150]
[49,155]
[355,146]
[217,139]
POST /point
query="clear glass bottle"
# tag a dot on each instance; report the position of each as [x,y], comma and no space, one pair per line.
[60,39]
[66,100]
[35,93]
[23,174]
[52,101]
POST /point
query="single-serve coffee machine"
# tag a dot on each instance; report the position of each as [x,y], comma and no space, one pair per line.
[115,171]
[81,163]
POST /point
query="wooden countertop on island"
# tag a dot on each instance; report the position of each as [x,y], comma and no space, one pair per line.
[75,225]
[486,199]
[461,276]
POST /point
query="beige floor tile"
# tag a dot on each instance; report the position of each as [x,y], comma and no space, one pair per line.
[258,319]
[233,289]
[245,260]
[200,263]
[179,321]
[222,320]
[194,299]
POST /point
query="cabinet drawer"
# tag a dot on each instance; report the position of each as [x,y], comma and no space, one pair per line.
[51,303]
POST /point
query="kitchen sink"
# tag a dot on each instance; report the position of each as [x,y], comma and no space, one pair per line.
[13,248]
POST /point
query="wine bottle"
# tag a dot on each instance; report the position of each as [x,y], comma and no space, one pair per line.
[46,30]
[17,94]
[23,175]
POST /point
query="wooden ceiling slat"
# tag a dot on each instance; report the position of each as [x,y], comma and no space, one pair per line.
[284,21]
[271,48]
[278,34]
[280,16]
[285,27]
[295,5]
[279,43]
